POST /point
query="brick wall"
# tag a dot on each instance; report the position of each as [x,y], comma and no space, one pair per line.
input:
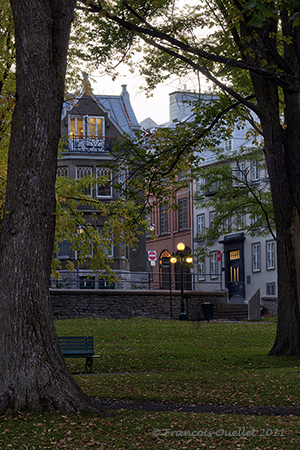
[115,304]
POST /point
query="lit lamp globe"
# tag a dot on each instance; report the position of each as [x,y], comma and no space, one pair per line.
[173,259]
[189,260]
[180,247]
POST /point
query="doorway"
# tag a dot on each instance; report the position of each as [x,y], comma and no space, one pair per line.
[164,271]
[234,266]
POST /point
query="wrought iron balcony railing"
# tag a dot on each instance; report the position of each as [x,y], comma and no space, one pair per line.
[87,144]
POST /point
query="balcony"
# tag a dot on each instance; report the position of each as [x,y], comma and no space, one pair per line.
[87,144]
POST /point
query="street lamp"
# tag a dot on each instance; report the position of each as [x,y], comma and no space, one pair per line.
[79,231]
[151,226]
[182,258]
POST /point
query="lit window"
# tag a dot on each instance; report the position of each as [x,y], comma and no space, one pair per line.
[96,130]
[234,254]
[76,127]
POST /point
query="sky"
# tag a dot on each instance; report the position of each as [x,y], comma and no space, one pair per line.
[155,107]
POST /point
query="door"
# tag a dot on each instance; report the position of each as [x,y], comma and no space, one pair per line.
[235,282]
[164,271]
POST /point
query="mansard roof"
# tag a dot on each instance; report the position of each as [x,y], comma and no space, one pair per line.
[117,107]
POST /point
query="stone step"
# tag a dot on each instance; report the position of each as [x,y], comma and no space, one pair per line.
[232,312]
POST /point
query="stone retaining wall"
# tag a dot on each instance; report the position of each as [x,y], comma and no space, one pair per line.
[270,303]
[115,304]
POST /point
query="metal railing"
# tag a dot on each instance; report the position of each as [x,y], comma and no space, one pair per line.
[139,280]
[88,144]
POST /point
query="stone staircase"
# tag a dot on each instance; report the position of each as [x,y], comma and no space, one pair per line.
[235,311]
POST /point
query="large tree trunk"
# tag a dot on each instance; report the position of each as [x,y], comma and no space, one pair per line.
[32,369]
[282,152]
[283,159]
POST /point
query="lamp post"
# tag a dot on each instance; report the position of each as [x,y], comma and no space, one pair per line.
[182,258]
[79,231]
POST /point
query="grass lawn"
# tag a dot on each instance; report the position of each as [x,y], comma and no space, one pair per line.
[171,361]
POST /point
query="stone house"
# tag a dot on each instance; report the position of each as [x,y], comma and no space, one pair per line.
[91,124]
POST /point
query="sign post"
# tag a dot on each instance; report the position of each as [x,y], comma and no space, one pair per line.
[152,257]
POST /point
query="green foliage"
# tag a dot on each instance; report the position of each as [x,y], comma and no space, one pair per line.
[7,89]
[154,161]
[91,236]
[227,188]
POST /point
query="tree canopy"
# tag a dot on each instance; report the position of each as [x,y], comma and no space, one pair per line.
[249,51]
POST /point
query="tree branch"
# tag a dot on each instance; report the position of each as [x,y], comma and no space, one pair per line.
[280,79]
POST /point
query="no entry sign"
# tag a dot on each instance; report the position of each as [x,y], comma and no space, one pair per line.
[152,255]
[219,255]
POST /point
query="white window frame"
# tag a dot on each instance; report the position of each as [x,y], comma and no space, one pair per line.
[270,253]
[228,145]
[201,271]
[256,257]
[273,286]
[201,224]
[213,265]
[254,171]
[227,223]
[62,171]
[103,172]
[84,171]
[99,129]
[240,222]
[76,134]
[110,250]
[212,215]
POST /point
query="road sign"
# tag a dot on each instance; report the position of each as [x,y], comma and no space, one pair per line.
[152,255]
[219,255]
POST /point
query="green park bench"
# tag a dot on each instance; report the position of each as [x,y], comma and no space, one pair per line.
[78,347]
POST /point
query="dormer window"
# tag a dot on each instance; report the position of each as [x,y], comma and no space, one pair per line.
[96,127]
[86,126]
[76,127]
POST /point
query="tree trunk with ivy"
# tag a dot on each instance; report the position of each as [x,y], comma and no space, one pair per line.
[32,370]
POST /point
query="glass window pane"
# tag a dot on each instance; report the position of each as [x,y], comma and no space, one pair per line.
[99,128]
[72,127]
[79,132]
[92,127]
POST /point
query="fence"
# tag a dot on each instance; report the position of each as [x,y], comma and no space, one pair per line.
[165,280]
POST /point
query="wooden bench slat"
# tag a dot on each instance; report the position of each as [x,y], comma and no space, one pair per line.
[78,347]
